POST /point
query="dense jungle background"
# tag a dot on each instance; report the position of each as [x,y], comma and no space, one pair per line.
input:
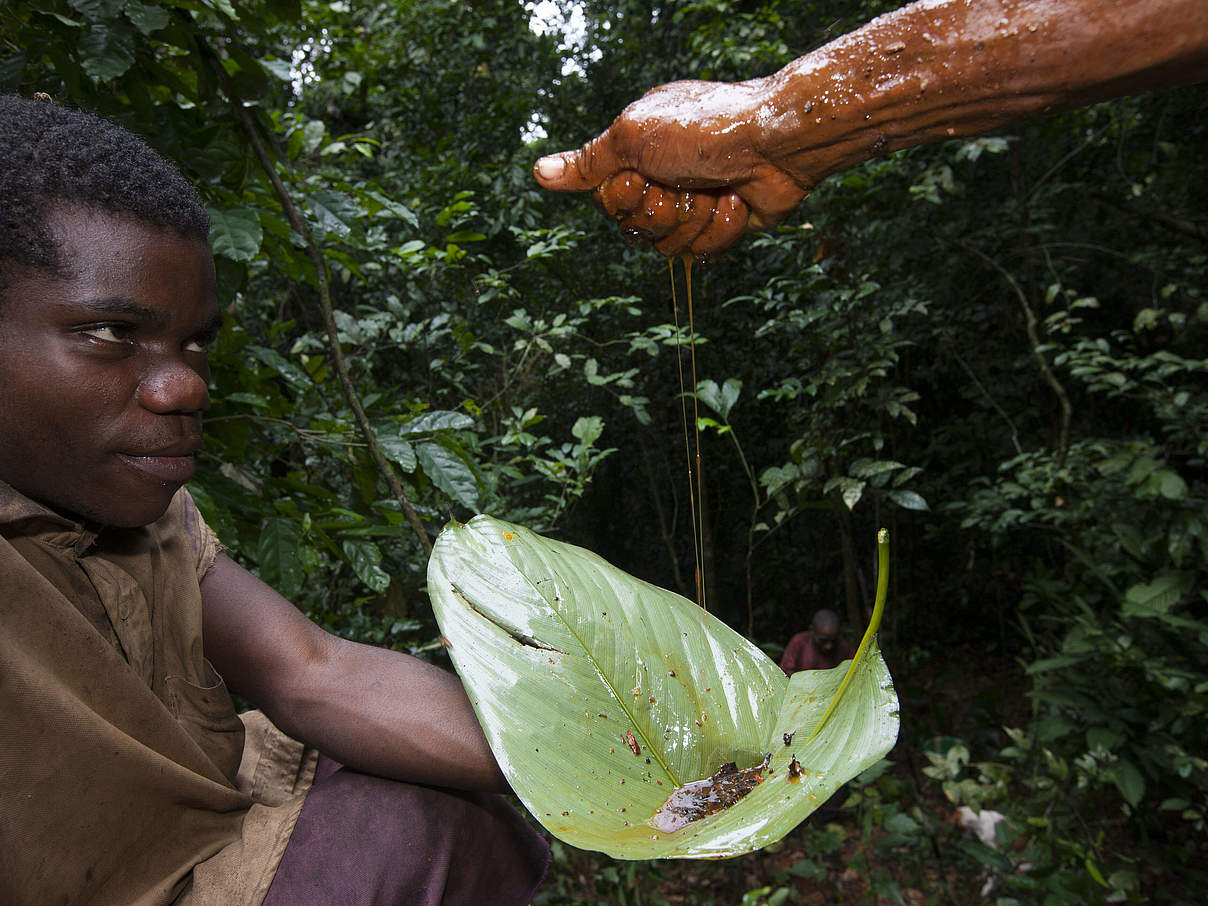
[995,347]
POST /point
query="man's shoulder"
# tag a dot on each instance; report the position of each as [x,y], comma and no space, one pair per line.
[183,522]
[801,642]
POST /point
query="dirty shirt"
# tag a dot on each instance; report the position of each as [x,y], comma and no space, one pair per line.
[123,764]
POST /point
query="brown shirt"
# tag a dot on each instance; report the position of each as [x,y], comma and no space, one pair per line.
[120,750]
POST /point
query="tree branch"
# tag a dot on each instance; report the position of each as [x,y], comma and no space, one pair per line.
[1063,399]
[324,289]
[986,393]
[1192,228]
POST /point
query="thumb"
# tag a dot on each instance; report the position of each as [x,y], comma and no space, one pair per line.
[576,171]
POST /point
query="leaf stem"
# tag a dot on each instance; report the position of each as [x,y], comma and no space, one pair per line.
[869,634]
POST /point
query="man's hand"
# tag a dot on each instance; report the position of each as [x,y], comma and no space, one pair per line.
[691,166]
[680,168]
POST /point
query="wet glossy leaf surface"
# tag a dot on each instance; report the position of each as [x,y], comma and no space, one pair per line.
[601,695]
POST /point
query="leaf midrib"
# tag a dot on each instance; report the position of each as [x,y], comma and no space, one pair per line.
[608,683]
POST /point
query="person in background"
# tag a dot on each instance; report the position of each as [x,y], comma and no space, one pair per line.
[692,165]
[818,648]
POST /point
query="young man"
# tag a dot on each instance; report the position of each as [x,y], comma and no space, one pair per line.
[692,165]
[126,774]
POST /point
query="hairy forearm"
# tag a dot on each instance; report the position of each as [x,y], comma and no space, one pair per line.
[930,71]
[387,713]
[690,165]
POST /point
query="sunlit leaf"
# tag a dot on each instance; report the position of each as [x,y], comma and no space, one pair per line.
[396,449]
[867,468]
[383,206]
[601,694]
[223,6]
[465,236]
[437,420]
[588,429]
[850,488]
[910,500]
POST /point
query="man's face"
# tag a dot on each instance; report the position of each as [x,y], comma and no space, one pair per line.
[826,638]
[103,374]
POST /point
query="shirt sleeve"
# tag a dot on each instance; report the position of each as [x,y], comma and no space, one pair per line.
[205,544]
[792,654]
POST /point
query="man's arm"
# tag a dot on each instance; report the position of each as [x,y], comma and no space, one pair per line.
[380,711]
[790,660]
[692,165]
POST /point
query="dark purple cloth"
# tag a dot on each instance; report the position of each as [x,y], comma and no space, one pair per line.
[367,841]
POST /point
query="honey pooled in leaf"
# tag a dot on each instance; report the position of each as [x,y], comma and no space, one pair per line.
[702,798]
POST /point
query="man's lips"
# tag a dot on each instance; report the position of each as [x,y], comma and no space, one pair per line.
[173,463]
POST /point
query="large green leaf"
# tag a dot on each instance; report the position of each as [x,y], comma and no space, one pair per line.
[278,555]
[571,664]
[235,232]
[448,471]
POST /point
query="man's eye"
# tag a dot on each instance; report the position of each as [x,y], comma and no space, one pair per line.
[109,333]
[197,346]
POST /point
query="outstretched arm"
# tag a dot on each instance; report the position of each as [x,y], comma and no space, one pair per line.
[692,165]
[380,711]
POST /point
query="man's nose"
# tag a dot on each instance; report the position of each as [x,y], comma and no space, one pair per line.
[174,386]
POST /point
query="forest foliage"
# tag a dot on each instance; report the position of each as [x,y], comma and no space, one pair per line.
[993,346]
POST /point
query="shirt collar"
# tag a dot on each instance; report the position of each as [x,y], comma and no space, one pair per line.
[20,516]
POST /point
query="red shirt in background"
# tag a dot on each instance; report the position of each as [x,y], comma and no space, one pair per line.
[802,653]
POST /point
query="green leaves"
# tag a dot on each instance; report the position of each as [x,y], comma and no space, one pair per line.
[1156,598]
[366,558]
[601,694]
[1128,781]
[277,554]
[449,472]
[235,233]
[147,18]
[400,451]
[439,420]
[333,212]
[908,500]
[720,399]
[109,51]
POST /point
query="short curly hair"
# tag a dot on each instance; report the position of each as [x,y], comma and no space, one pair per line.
[51,153]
